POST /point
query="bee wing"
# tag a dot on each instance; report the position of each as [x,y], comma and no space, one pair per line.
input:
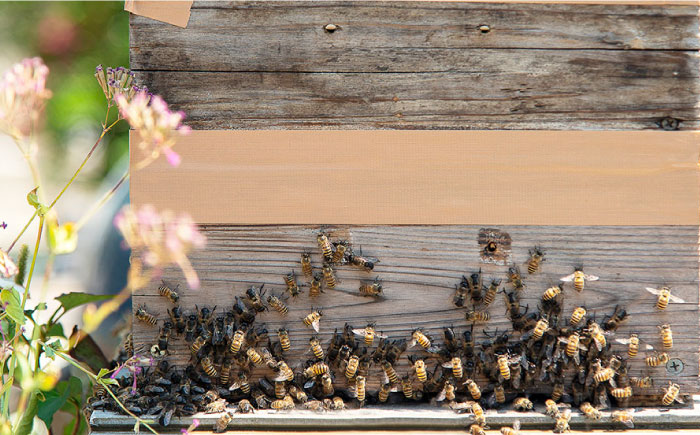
[623,340]
[629,422]
[653,291]
[678,399]
[591,277]
[440,397]
[433,349]
[612,383]
[310,383]
[648,347]
[381,336]
[281,377]
[360,331]
[516,425]
[413,343]
[316,324]
[567,278]
[676,299]
[235,386]
[447,365]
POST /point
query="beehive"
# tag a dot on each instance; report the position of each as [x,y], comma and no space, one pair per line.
[622,203]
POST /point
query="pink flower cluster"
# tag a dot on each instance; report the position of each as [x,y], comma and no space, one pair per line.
[23,94]
[161,238]
[158,126]
[117,81]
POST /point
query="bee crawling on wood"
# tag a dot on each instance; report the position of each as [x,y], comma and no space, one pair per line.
[369,333]
[664,297]
[618,316]
[522,404]
[515,278]
[625,416]
[325,246]
[579,278]
[515,430]
[666,336]
[671,394]
[254,298]
[341,249]
[371,288]
[166,291]
[290,280]
[562,424]
[306,267]
[315,289]
[535,260]
[590,411]
[314,319]
[278,304]
[144,316]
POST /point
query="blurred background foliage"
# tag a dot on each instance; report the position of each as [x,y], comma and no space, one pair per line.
[72,38]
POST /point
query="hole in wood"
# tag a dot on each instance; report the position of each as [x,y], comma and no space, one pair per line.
[484,28]
[330,28]
[494,245]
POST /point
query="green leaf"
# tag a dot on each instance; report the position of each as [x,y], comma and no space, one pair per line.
[41,306]
[75,299]
[54,400]
[84,349]
[103,371]
[33,198]
[56,330]
[10,296]
[110,381]
[50,348]
[26,423]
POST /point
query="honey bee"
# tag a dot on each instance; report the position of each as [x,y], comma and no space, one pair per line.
[208,367]
[577,316]
[315,286]
[596,333]
[329,276]
[645,382]
[604,374]
[282,404]
[625,417]
[306,267]
[244,406]
[290,280]
[365,263]
[165,291]
[473,388]
[280,389]
[478,411]
[456,365]
[314,405]
[129,345]
[371,288]
[277,303]
[285,343]
[499,394]
[383,393]
[254,356]
[390,372]
[590,411]
[551,408]
[313,319]
[254,298]
[477,316]
[237,341]
[178,319]
[671,394]
[285,372]
[666,336]
[327,384]
[633,344]
[222,422]
[351,367]
[535,260]
[448,393]
[573,346]
[503,366]
[657,359]
[226,368]
[619,316]
[621,392]
[557,391]
[552,292]
[419,367]
[261,401]
[419,337]
[562,424]
[407,387]
[340,250]
[515,278]
[325,246]
[461,292]
[360,388]
[490,294]
[161,348]
[579,278]
[541,327]
[664,297]
[316,369]
[242,384]
[144,316]
[338,403]
[200,341]
[522,404]
[475,429]
[515,430]
[369,333]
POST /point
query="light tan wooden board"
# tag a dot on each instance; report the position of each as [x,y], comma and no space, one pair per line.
[420,266]
[424,65]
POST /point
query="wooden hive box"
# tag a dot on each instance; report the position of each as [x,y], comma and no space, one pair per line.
[598,164]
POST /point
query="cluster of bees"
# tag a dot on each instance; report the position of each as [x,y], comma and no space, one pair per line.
[236,360]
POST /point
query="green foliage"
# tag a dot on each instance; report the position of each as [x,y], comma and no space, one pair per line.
[74,299]
[10,296]
[57,398]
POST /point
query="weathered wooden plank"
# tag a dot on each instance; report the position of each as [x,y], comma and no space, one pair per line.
[396,36]
[543,90]
[421,264]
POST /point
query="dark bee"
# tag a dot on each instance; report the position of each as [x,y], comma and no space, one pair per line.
[161,348]
[242,313]
[618,316]
[144,316]
[241,383]
[364,263]
[535,260]
[205,315]
[217,337]
[178,319]
[461,292]
[254,298]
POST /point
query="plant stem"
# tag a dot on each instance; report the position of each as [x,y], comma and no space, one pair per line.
[107,196]
[22,232]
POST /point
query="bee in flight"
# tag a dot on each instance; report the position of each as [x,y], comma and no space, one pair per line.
[579,278]
[536,259]
[664,297]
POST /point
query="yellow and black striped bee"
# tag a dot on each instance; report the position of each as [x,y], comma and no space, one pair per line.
[226,368]
[562,424]
[603,374]
[642,382]
[261,400]
[285,343]
[364,263]
[351,366]
[360,382]
[633,344]
[407,387]
[476,429]
[473,388]
[664,297]
[316,349]
[419,337]
[448,393]
[306,267]
[503,366]
[371,288]
[419,367]
[200,341]
[490,294]
[237,341]
[477,316]
[222,422]
[551,408]
[499,394]
[144,316]
[338,403]
[624,416]
[129,345]
[313,319]
[315,286]
[316,369]
[242,383]
[515,278]
[327,384]
[577,316]
[573,345]
[579,278]
[522,404]
[478,411]
[369,333]
[254,356]
[278,304]
[254,298]
[390,372]
[596,333]
[167,292]
[535,260]
[285,372]
[329,276]
[325,246]
[383,393]
[552,292]
[298,394]
[208,367]
[621,392]
[671,394]
[290,280]
[282,404]
[340,249]
[666,336]
[280,389]
[657,359]
[515,430]
[590,411]
[456,365]
[541,327]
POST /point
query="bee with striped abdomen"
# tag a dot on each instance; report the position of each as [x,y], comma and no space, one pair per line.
[290,281]
[503,366]
[476,429]
[306,267]
[329,276]
[242,384]
[552,292]
[285,343]
[351,366]
[633,344]
[473,388]
[577,316]
[579,278]
[365,263]
[327,384]
[315,347]
[515,430]
[671,394]
[325,246]
[621,393]
[535,260]
[522,404]
[144,316]
[208,367]
[541,327]
[499,394]
[221,424]
[657,359]
[313,319]
[562,424]
[277,303]
[390,372]
[369,333]
[226,368]
[515,278]
[315,289]
[642,382]
[166,291]
[596,333]
[383,393]
[407,387]
[590,411]
[478,411]
[419,337]
[664,297]
[200,341]
[626,417]
[360,384]
[237,341]
[666,336]
[419,367]
[254,356]
[316,369]
[448,393]
[490,294]
[477,316]
[341,249]
[456,365]
[254,298]
[280,389]
[371,288]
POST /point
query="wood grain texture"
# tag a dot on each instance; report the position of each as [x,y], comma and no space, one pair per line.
[422,65]
[420,266]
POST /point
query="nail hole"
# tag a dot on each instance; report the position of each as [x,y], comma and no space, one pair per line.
[330,28]
[484,28]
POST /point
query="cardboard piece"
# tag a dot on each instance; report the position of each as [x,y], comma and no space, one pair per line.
[175,12]
[428,177]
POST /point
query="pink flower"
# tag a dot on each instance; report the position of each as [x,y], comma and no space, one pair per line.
[192,427]
[23,94]
[7,266]
[161,238]
[157,125]
[116,81]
